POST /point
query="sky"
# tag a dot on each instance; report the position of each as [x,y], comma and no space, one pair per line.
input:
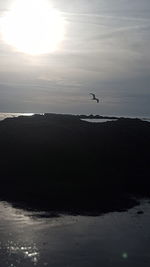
[104,50]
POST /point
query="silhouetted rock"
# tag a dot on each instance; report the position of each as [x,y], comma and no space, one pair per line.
[66,163]
[140,212]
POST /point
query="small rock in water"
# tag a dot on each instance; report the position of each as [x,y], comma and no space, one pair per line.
[140,212]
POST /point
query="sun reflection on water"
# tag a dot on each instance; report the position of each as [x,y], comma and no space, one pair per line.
[21,251]
[23,235]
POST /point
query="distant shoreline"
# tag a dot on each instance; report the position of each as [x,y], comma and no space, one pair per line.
[4,115]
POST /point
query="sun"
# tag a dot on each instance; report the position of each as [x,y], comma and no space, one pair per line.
[33,27]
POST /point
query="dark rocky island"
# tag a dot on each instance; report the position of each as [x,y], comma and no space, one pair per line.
[59,162]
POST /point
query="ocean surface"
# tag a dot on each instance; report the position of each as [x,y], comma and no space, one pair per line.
[36,239]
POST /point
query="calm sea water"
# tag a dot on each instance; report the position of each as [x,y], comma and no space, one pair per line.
[114,239]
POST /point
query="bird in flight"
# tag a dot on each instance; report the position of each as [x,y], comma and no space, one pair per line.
[94,97]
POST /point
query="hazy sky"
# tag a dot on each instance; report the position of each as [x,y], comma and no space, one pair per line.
[105,50]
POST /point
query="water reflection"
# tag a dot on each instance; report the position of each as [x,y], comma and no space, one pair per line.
[18,251]
[16,247]
[22,234]
[113,239]
[98,120]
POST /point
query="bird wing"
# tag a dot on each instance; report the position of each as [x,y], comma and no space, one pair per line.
[92,94]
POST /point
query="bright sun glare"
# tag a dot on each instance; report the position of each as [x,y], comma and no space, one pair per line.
[33,27]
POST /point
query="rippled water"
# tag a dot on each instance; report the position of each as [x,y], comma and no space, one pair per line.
[34,239]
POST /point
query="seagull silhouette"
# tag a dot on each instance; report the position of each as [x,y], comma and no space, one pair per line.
[94,97]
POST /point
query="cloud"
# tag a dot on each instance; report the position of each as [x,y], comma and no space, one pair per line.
[106,48]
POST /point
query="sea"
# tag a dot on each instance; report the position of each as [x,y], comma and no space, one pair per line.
[34,238]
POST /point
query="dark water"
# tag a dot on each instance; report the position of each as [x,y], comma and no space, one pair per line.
[114,239]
